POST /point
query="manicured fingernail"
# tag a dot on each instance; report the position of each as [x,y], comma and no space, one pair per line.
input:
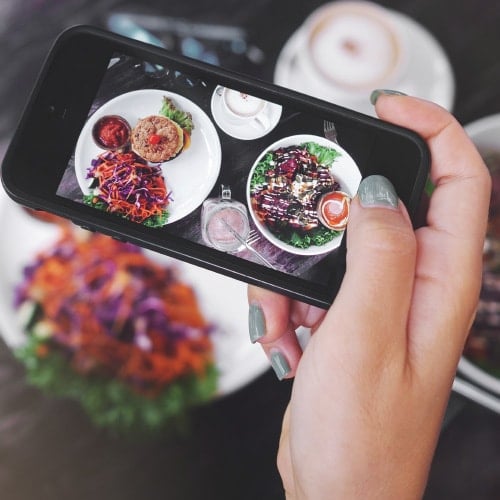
[280,364]
[256,322]
[377,191]
[378,92]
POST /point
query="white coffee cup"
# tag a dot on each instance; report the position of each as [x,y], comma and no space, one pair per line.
[350,48]
[244,108]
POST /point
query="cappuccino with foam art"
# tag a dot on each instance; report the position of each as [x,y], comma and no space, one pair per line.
[351,47]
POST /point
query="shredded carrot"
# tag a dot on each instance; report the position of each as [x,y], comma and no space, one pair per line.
[129,186]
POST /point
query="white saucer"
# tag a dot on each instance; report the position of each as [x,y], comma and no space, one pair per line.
[244,130]
[429,73]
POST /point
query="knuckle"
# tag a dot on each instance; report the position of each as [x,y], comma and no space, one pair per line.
[384,238]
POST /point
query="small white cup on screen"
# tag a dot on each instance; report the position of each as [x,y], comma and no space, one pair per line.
[243,108]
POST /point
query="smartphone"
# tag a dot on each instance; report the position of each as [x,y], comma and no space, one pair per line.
[203,164]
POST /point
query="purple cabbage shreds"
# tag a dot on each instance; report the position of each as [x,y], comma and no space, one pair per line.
[20,296]
[130,187]
[150,304]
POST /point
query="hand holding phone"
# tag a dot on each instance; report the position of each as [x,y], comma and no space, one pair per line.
[206,165]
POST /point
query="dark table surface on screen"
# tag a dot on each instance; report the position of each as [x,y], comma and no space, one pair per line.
[237,156]
[49,450]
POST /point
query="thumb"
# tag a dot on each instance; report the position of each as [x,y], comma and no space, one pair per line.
[375,296]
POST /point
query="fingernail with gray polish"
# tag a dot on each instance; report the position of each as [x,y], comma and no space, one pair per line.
[378,92]
[280,364]
[256,322]
[377,191]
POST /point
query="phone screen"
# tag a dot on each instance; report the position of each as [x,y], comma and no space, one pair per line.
[221,168]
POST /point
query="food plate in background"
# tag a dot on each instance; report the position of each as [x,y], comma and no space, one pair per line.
[475,364]
[429,74]
[237,360]
[343,169]
[190,176]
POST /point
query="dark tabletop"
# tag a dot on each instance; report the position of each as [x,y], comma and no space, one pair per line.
[49,449]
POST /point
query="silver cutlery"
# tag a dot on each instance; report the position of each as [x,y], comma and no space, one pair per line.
[330,131]
[246,243]
[253,236]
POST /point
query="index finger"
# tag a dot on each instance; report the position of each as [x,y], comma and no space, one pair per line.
[457,169]
[450,247]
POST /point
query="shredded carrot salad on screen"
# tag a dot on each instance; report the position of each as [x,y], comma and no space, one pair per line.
[113,311]
[128,186]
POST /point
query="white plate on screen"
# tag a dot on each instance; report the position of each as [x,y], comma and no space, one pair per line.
[344,170]
[190,176]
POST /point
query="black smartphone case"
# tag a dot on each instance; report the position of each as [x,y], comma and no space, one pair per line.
[32,166]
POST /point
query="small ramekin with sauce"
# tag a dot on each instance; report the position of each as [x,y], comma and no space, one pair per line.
[333,210]
[111,132]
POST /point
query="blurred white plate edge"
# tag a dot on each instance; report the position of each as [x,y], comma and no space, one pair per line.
[485,133]
[476,394]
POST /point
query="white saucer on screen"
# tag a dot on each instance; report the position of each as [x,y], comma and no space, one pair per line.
[243,130]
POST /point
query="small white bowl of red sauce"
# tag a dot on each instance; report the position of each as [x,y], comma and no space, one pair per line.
[333,210]
[111,132]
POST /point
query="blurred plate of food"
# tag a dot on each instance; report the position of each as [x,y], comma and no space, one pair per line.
[136,337]
[480,362]
[298,193]
[166,134]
